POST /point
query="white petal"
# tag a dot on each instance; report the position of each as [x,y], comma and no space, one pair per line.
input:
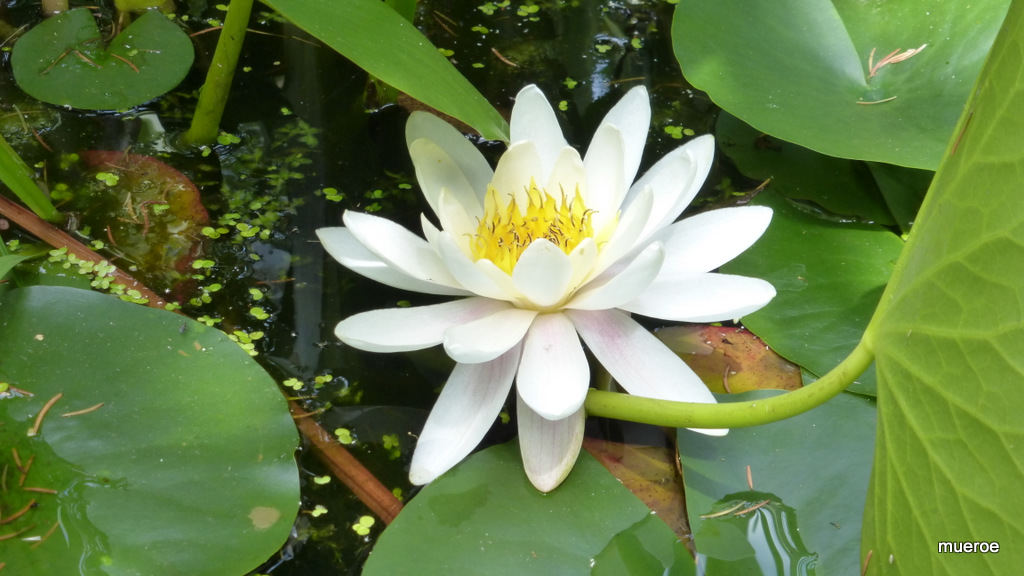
[464,412]
[473,276]
[534,120]
[437,171]
[606,180]
[638,360]
[516,168]
[632,116]
[341,245]
[455,220]
[398,247]
[473,164]
[543,273]
[624,240]
[566,175]
[702,297]
[704,242]
[485,339]
[549,447]
[583,258]
[553,374]
[401,329]
[675,180]
[624,286]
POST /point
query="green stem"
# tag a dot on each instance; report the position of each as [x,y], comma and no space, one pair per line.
[214,95]
[733,414]
[19,178]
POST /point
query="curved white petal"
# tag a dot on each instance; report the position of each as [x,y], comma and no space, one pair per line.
[472,163]
[478,277]
[398,247]
[464,412]
[437,171]
[675,180]
[583,259]
[625,286]
[534,120]
[632,116]
[549,447]
[520,164]
[553,373]
[702,297]
[401,329]
[456,221]
[606,179]
[566,175]
[638,360]
[343,247]
[704,242]
[543,273]
[624,240]
[485,339]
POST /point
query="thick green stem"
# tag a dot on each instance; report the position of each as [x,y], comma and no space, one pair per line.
[214,95]
[17,176]
[733,414]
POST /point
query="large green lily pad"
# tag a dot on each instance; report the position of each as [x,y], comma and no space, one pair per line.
[64,61]
[800,70]
[185,465]
[949,347]
[813,470]
[484,517]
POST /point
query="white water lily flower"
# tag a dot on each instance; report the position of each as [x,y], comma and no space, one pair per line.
[548,248]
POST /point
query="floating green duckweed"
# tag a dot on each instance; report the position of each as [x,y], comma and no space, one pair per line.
[344,436]
[362,527]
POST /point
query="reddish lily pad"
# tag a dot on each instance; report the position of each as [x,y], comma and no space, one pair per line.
[145,210]
[63,61]
[731,360]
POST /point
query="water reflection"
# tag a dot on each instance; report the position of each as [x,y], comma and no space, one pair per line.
[752,533]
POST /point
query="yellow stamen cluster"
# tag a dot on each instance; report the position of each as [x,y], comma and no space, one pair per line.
[506,229]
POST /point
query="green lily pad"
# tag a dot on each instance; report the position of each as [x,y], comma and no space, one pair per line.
[800,70]
[829,276]
[63,61]
[168,450]
[812,470]
[484,517]
[949,347]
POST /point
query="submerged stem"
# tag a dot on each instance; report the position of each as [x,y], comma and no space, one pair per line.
[733,414]
[214,95]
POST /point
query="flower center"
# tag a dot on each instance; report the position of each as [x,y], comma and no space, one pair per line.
[507,229]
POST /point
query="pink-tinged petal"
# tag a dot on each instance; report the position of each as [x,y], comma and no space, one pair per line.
[402,329]
[625,286]
[398,247]
[471,162]
[606,180]
[464,412]
[473,276]
[566,175]
[675,180]
[637,360]
[437,171]
[549,447]
[516,167]
[485,339]
[632,116]
[344,247]
[553,374]
[704,242]
[702,297]
[534,120]
[543,273]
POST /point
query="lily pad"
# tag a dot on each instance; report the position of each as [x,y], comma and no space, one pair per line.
[811,474]
[484,517]
[63,61]
[800,70]
[165,448]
